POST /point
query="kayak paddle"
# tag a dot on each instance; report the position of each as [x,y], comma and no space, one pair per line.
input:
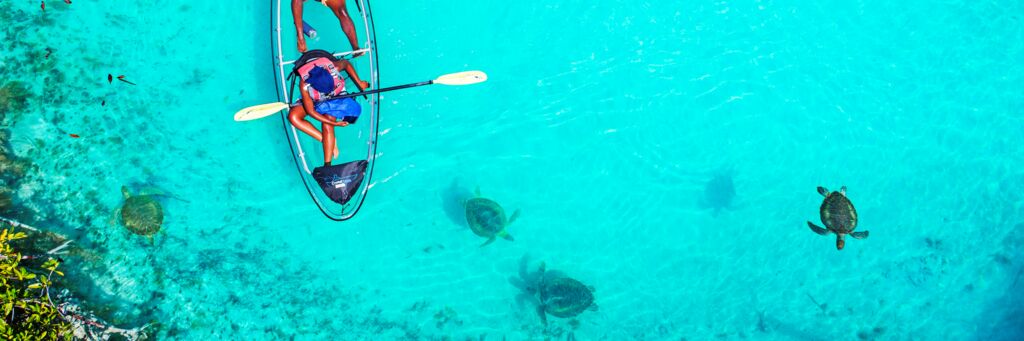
[458,78]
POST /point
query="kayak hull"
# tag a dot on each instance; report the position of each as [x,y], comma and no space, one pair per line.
[356,142]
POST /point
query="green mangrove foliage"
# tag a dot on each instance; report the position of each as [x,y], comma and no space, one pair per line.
[25,304]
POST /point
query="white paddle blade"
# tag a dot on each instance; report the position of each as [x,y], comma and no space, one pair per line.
[259,111]
[462,78]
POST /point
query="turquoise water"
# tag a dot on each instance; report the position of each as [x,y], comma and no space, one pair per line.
[604,124]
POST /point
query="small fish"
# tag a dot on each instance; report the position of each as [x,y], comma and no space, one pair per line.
[103,103]
[42,5]
[74,136]
[121,78]
[110,78]
[48,52]
[67,2]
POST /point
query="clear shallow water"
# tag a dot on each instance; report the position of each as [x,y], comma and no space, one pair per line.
[602,123]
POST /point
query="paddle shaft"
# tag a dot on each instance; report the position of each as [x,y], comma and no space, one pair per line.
[390,88]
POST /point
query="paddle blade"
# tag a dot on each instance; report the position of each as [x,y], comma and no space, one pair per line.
[462,78]
[259,111]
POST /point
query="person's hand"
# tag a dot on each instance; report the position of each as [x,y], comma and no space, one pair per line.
[363,85]
[357,54]
[302,44]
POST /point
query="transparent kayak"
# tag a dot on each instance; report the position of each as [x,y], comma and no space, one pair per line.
[308,152]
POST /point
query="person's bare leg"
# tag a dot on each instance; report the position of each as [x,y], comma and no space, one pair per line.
[297,18]
[340,11]
[328,142]
[297,116]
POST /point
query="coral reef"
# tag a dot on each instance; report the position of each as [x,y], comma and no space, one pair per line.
[13,97]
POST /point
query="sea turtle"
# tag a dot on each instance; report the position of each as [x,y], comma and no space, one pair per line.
[487,219]
[141,214]
[561,296]
[839,217]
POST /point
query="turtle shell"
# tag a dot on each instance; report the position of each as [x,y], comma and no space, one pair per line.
[565,297]
[838,214]
[142,215]
[485,217]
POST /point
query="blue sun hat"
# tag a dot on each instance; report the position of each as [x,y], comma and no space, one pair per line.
[321,80]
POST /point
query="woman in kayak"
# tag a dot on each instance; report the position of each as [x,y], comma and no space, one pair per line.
[320,83]
[339,9]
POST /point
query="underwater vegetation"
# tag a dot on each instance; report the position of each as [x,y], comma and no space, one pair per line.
[719,193]
[13,97]
[12,171]
[6,199]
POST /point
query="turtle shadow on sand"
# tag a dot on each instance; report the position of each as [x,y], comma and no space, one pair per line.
[453,200]
[551,292]
[768,324]
[719,193]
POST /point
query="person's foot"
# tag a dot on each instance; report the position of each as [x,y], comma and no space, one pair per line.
[337,153]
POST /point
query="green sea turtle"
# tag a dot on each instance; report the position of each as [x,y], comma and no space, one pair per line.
[141,214]
[839,217]
[487,219]
[561,296]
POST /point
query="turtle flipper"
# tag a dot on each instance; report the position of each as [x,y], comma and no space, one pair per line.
[115,218]
[513,218]
[859,235]
[823,191]
[490,240]
[817,229]
[152,190]
[506,236]
[543,316]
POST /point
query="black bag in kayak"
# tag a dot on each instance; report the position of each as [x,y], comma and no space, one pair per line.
[340,182]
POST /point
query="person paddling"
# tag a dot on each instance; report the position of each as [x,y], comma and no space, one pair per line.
[320,83]
[340,10]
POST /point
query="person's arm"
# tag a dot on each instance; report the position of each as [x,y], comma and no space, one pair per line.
[351,71]
[307,103]
[297,17]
